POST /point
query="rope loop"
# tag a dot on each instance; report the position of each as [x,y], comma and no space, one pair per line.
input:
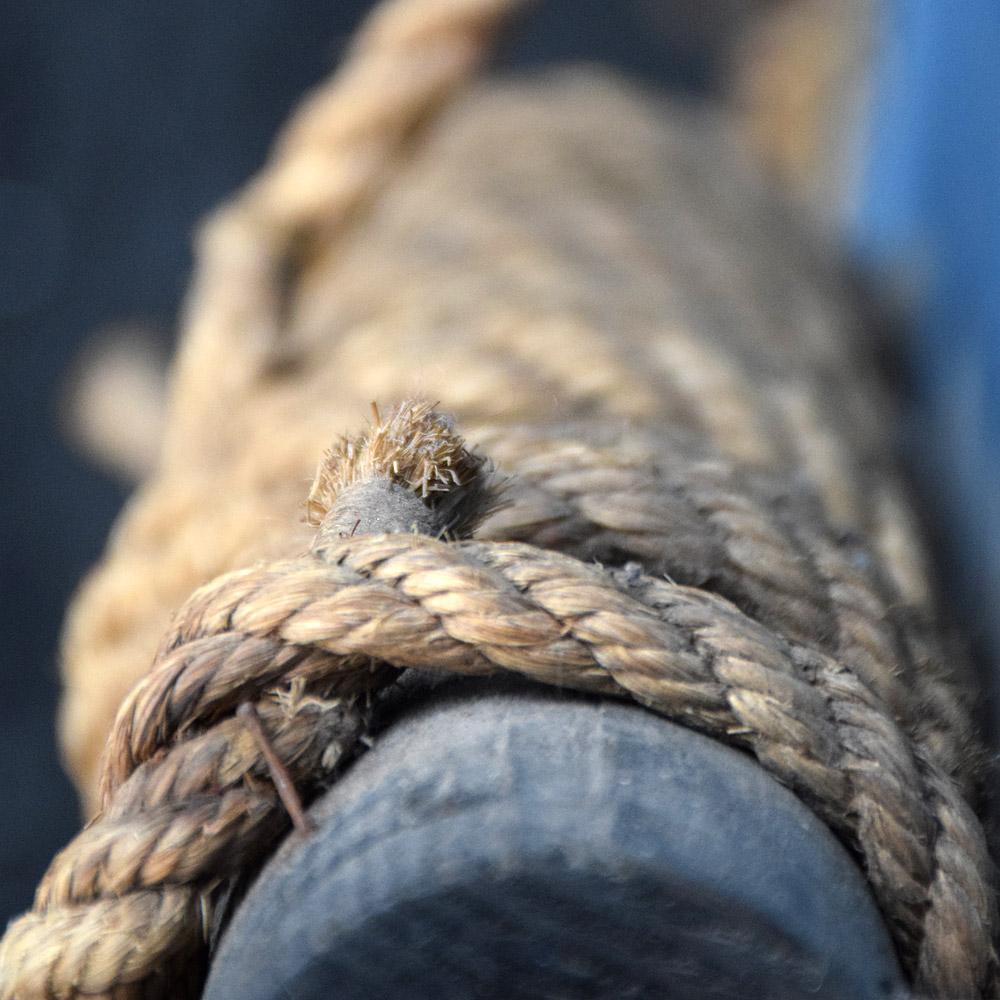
[187,804]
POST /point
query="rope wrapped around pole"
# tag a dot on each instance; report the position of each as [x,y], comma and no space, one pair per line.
[634,561]
[186,805]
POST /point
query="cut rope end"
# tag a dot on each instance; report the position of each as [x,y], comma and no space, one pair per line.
[409,472]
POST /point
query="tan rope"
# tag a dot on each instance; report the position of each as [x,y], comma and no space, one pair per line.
[499,333]
[815,668]
[685,511]
[317,624]
[343,143]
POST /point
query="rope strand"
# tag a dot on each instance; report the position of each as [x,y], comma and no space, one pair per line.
[477,607]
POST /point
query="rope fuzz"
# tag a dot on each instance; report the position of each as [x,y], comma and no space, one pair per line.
[411,471]
[186,801]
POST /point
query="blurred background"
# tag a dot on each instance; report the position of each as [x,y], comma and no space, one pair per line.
[122,122]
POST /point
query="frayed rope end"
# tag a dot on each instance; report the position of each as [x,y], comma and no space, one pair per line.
[409,471]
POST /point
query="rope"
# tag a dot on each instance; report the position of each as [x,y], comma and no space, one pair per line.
[187,806]
[815,667]
[747,536]
[463,284]
[342,145]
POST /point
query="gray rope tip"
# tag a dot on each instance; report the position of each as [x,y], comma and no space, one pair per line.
[410,471]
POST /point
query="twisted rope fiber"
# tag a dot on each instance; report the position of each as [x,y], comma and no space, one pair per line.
[183,808]
[424,604]
[126,909]
[345,141]
[702,521]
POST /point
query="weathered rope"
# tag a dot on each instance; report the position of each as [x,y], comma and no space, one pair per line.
[815,667]
[706,521]
[185,807]
[496,257]
[342,145]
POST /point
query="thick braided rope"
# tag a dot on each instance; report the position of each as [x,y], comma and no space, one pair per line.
[704,521]
[344,142]
[125,910]
[320,624]
[922,849]
[221,490]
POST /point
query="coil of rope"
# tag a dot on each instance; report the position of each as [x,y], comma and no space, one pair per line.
[186,803]
[807,668]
